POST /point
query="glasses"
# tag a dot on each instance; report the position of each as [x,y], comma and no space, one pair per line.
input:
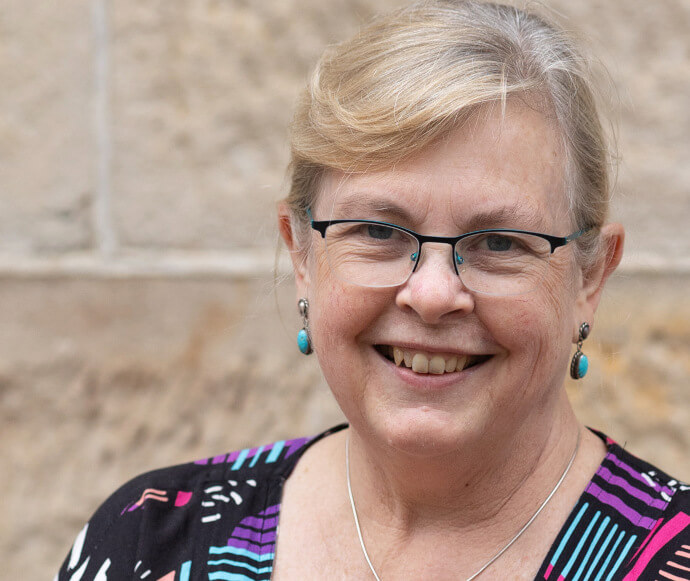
[496,261]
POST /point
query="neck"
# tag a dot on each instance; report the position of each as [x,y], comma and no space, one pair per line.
[510,473]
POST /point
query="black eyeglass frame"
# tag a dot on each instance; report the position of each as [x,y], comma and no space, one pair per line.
[555,242]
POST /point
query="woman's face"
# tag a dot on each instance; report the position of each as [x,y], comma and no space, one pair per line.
[492,172]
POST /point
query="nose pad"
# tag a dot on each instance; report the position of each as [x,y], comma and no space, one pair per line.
[458,262]
[434,288]
[456,259]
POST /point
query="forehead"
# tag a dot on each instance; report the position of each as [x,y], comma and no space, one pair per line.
[505,170]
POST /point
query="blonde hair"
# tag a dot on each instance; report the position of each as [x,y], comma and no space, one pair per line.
[412,76]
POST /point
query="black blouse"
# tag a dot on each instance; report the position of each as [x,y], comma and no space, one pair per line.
[217,519]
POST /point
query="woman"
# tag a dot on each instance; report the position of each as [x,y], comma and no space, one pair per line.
[447,227]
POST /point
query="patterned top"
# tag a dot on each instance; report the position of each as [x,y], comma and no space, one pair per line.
[217,518]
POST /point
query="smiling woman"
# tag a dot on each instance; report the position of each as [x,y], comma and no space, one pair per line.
[447,223]
[520,338]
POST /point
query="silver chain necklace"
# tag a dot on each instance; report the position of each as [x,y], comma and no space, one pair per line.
[497,555]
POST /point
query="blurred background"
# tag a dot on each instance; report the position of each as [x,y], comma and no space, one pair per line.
[143,147]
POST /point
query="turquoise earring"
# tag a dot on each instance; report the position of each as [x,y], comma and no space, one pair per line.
[303,337]
[580,364]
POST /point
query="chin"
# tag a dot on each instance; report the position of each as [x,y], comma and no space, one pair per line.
[425,431]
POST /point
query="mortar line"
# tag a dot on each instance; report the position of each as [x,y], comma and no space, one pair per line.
[104,232]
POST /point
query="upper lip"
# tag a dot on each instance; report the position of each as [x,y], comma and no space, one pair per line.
[425,348]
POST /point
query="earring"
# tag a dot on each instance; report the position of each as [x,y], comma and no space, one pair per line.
[579,364]
[303,337]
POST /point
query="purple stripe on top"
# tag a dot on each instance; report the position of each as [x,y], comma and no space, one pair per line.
[217,459]
[635,474]
[258,549]
[294,445]
[621,482]
[270,510]
[259,523]
[613,501]
[260,537]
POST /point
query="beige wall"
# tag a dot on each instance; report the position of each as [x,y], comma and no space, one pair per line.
[142,148]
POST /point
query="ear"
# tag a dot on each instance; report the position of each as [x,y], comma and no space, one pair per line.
[298,254]
[594,280]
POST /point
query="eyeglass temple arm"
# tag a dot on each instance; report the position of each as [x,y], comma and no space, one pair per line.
[320,227]
[557,242]
[577,234]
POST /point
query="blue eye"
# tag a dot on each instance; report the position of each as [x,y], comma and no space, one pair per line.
[379,232]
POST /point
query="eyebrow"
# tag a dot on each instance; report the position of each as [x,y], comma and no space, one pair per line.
[506,216]
[366,206]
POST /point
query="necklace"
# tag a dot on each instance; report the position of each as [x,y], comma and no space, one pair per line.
[492,559]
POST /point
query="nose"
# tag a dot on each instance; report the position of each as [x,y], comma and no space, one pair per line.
[433,290]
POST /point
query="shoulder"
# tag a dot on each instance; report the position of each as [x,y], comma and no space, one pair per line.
[652,507]
[631,520]
[159,522]
[623,474]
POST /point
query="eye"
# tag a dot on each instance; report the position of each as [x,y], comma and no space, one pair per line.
[499,243]
[379,232]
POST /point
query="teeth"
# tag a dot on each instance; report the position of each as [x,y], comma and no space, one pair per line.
[407,356]
[423,363]
[437,365]
[398,355]
[462,362]
[420,363]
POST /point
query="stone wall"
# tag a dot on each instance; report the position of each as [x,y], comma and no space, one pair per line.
[142,149]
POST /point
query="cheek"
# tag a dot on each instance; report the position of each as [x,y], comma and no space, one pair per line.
[559,294]
[329,312]
[538,323]
[332,321]
[339,311]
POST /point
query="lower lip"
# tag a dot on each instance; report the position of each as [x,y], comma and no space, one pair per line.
[431,381]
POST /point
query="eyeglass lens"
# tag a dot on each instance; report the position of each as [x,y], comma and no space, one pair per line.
[378,255]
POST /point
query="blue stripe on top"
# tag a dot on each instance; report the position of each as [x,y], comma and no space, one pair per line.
[568,533]
[580,544]
[595,540]
[275,451]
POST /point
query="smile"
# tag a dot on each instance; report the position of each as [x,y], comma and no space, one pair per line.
[436,363]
